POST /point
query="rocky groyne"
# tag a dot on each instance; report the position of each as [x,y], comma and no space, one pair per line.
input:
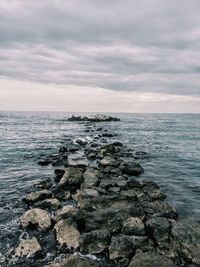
[96,211]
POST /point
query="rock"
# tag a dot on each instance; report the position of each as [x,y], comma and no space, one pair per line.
[67,234]
[72,176]
[117,143]
[159,228]
[38,195]
[85,194]
[134,226]
[140,155]
[58,175]
[27,248]
[107,161]
[113,182]
[159,209]
[51,203]
[44,184]
[123,246]
[187,237]
[81,142]
[151,259]
[91,156]
[96,118]
[134,169]
[133,183]
[90,178]
[66,212]
[95,241]
[107,135]
[44,162]
[74,261]
[36,218]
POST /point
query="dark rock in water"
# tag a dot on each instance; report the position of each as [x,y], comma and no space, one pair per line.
[81,142]
[107,135]
[63,149]
[38,195]
[113,182]
[74,261]
[67,211]
[94,145]
[158,228]
[95,241]
[159,209]
[99,129]
[51,203]
[117,143]
[132,183]
[96,118]
[67,234]
[36,218]
[44,162]
[72,176]
[140,155]
[134,169]
[125,246]
[45,184]
[58,174]
[27,248]
[150,259]
[187,238]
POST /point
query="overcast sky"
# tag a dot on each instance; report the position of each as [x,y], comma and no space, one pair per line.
[100,55]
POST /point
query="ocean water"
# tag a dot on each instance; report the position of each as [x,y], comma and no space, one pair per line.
[172,142]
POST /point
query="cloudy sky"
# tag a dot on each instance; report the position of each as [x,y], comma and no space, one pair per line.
[100,55]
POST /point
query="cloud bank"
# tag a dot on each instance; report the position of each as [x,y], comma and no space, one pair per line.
[125,47]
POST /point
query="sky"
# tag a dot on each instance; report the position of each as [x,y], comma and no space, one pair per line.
[100,55]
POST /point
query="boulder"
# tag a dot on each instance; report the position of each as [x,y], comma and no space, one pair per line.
[38,195]
[74,261]
[66,212]
[95,241]
[50,203]
[58,175]
[150,259]
[133,168]
[67,234]
[72,176]
[158,228]
[106,183]
[123,246]
[90,178]
[27,248]
[134,226]
[36,218]
[187,237]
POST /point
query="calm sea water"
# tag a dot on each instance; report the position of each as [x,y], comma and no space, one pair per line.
[172,142]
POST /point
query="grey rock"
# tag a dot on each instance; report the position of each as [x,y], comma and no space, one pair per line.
[27,248]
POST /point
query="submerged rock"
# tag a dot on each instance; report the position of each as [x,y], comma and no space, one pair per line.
[36,218]
[67,234]
[27,248]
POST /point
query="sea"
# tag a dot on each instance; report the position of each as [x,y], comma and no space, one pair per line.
[172,142]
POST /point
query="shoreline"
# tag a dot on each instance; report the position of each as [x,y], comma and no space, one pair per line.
[104,211]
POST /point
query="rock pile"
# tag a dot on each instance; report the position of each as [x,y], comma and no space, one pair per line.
[96,118]
[104,210]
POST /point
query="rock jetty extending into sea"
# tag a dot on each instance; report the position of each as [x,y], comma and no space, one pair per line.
[98,212]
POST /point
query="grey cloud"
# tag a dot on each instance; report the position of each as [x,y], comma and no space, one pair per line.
[147,46]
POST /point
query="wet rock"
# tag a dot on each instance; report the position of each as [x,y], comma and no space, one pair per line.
[95,241]
[113,182]
[111,218]
[117,143]
[108,161]
[91,178]
[72,176]
[74,261]
[187,237]
[133,183]
[107,135]
[38,195]
[27,248]
[36,218]
[51,203]
[96,118]
[134,226]
[91,156]
[123,246]
[134,169]
[140,155]
[67,234]
[159,209]
[45,184]
[150,259]
[81,142]
[44,162]
[158,228]
[58,174]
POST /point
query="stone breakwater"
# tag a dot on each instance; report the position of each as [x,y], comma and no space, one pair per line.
[98,212]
